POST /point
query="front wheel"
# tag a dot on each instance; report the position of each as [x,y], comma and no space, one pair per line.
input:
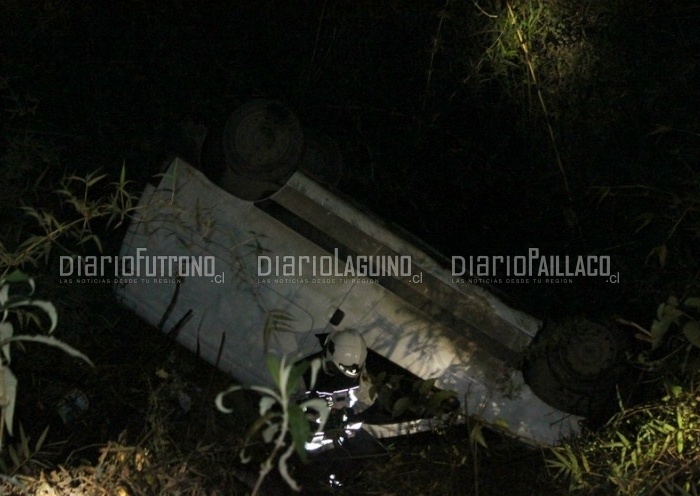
[576,367]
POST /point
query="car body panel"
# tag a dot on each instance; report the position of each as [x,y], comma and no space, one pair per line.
[430,325]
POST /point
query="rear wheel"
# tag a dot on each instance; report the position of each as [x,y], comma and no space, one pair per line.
[255,152]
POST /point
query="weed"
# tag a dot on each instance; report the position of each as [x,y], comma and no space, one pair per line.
[281,415]
[87,208]
[648,449]
[12,303]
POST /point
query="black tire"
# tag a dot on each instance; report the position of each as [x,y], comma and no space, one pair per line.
[576,367]
[255,152]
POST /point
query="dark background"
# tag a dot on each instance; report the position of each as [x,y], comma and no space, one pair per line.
[433,106]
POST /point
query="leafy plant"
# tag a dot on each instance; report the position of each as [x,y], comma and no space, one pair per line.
[23,453]
[17,305]
[281,416]
[676,328]
[78,195]
[677,314]
[649,449]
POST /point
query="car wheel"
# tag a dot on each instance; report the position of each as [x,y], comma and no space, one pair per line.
[255,151]
[576,367]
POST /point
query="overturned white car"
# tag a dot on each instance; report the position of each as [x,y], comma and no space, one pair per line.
[255,257]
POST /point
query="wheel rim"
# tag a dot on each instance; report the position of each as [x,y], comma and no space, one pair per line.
[589,352]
